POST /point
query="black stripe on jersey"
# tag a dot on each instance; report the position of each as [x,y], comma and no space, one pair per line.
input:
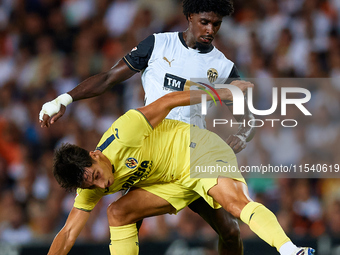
[107,142]
[181,38]
[130,66]
[233,76]
[138,59]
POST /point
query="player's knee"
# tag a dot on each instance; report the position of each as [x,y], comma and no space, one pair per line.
[117,215]
[230,231]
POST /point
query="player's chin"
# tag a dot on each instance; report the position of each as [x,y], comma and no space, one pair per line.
[203,46]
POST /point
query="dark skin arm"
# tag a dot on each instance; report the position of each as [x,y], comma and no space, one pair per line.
[92,87]
[244,134]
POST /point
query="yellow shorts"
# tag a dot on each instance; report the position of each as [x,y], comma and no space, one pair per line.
[210,158]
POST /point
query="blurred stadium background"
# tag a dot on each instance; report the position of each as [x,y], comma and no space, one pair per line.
[48,46]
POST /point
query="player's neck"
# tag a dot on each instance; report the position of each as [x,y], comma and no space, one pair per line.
[189,39]
[191,42]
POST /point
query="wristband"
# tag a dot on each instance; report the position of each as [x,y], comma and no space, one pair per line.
[53,107]
[64,99]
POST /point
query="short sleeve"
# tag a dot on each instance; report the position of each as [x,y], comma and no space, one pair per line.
[132,128]
[137,60]
[87,199]
[234,75]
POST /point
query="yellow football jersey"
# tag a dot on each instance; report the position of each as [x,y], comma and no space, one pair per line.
[152,158]
[140,155]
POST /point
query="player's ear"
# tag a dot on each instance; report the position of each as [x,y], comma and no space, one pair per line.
[190,17]
[94,154]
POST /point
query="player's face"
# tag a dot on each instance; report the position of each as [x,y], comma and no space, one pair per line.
[204,27]
[100,174]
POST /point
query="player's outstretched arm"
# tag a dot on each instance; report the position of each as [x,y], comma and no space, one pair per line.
[65,239]
[91,87]
[159,109]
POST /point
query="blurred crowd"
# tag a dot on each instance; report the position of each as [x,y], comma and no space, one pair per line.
[48,46]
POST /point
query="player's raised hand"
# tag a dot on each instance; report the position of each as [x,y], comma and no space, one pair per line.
[236,142]
[55,109]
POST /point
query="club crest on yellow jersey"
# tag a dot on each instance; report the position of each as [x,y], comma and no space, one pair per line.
[142,173]
[131,163]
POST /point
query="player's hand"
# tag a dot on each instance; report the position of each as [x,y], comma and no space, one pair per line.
[46,120]
[242,85]
[53,110]
[237,142]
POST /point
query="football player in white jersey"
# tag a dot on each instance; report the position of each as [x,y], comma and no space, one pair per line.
[167,62]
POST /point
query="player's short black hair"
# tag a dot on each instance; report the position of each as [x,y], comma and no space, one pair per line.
[221,7]
[69,166]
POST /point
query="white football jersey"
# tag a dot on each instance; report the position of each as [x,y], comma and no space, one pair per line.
[168,65]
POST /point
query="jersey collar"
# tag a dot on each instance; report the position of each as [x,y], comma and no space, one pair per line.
[181,38]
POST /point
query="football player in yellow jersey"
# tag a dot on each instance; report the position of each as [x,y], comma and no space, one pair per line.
[144,152]
[176,57]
